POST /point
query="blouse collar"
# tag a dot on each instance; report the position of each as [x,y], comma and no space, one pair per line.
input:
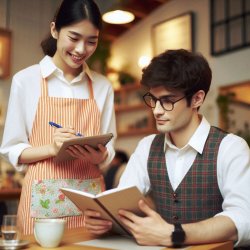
[48,68]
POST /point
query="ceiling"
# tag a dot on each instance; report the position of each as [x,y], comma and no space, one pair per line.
[140,8]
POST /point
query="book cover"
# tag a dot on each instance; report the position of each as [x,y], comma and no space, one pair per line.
[108,203]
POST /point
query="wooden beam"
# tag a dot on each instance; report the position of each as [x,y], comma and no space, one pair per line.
[140,8]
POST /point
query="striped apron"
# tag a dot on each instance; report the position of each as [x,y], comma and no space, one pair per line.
[85,117]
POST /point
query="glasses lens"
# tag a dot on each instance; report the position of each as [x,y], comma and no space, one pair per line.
[149,100]
[167,104]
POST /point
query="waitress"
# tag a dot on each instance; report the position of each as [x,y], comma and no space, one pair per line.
[62,89]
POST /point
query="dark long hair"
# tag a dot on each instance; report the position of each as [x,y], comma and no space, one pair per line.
[70,12]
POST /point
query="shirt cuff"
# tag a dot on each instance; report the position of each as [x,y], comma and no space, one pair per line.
[14,155]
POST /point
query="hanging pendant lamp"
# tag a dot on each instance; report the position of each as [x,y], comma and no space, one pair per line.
[117,14]
[118,17]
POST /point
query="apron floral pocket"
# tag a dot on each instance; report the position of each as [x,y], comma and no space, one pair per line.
[47,201]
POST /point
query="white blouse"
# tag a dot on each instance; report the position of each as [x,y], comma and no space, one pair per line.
[23,101]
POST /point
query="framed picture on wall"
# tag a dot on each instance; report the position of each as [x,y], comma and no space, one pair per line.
[5,51]
[174,33]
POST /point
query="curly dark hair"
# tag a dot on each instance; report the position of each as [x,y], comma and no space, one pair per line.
[180,70]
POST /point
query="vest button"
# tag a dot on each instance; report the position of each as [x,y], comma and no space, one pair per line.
[175,197]
[175,217]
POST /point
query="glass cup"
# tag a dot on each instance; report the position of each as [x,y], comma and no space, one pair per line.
[10,229]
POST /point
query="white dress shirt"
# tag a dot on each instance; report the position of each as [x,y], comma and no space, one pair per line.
[233,172]
[23,101]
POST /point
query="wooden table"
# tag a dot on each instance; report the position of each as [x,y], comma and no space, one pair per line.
[78,235]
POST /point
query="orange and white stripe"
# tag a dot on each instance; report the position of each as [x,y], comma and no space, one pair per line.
[84,116]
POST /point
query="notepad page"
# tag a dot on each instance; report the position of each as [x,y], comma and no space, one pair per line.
[118,243]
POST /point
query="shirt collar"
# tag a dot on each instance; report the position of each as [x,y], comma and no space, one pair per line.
[48,68]
[197,141]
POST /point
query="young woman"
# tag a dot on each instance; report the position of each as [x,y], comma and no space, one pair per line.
[62,89]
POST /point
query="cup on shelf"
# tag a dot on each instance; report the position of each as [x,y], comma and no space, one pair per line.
[49,232]
[10,228]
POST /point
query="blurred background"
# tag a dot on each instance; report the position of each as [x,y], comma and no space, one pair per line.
[219,29]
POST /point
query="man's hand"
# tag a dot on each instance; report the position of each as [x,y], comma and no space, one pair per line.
[149,230]
[95,224]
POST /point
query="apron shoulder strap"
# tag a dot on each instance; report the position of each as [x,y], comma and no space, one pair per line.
[44,87]
[90,87]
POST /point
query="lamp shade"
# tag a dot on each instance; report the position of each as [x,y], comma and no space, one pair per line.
[118,17]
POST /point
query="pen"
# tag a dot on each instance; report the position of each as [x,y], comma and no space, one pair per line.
[53,124]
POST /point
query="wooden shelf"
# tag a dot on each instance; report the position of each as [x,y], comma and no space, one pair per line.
[242,103]
[240,91]
[125,108]
[134,118]
[10,193]
[135,132]
[129,87]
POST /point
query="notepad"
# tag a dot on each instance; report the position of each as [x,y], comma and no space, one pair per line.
[92,141]
[118,242]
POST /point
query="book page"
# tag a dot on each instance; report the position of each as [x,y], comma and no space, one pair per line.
[86,201]
[79,192]
[127,199]
[110,191]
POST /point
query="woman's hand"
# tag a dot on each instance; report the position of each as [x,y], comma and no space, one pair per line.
[88,153]
[35,154]
[61,135]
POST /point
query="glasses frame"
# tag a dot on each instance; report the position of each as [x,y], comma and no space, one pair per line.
[160,100]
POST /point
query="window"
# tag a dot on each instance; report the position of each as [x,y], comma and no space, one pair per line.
[230,25]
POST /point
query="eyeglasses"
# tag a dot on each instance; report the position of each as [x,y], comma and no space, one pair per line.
[166,104]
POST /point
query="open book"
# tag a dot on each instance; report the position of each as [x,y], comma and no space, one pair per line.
[92,141]
[108,203]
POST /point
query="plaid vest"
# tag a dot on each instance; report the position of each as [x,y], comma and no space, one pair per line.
[198,196]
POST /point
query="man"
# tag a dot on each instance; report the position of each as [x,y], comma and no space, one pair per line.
[199,176]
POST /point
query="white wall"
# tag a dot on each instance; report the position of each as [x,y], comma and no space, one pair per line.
[29,22]
[230,68]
